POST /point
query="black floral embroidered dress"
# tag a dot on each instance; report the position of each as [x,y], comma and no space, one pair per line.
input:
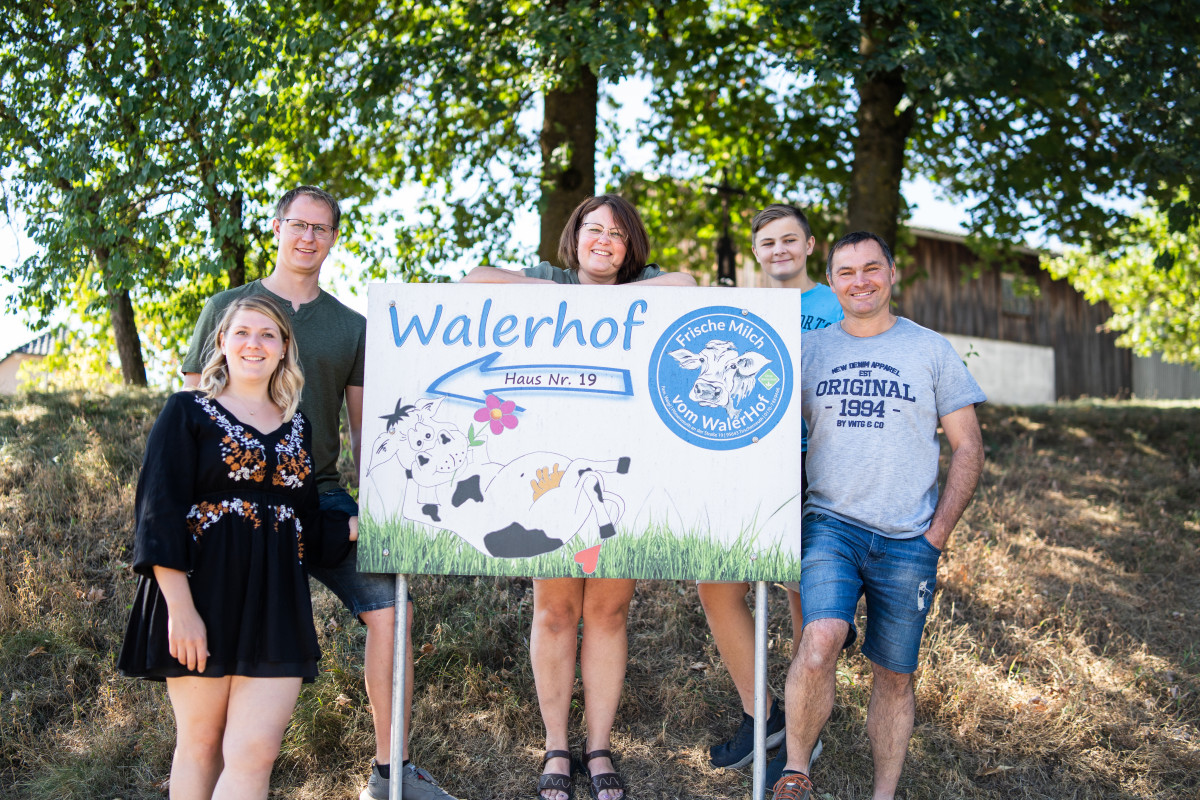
[231,507]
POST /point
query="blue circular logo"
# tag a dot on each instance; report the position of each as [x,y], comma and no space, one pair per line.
[720,378]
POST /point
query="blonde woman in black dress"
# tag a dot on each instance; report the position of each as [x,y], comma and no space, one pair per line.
[227,514]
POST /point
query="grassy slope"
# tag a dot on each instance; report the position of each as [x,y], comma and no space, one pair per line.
[1061,660]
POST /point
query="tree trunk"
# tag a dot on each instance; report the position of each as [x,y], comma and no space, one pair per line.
[124,326]
[568,176]
[233,248]
[129,347]
[883,131]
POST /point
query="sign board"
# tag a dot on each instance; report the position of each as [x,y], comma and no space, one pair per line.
[549,431]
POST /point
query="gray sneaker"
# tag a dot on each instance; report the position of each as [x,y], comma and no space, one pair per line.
[775,765]
[417,785]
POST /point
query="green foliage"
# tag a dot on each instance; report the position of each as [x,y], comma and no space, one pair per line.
[1151,280]
[452,91]
[145,141]
[724,112]
[1039,114]
[1063,107]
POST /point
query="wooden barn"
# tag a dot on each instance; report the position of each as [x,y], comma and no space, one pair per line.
[956,296]
[940,290]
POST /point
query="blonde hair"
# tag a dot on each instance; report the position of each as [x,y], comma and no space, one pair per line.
[286,382]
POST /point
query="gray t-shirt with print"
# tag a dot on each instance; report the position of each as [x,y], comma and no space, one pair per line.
[872,405]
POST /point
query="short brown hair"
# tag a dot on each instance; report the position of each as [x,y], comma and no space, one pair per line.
[856,238]
[320,195]
[777,211]
[637,242]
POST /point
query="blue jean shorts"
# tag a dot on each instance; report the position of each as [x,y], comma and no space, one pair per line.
[843,562]
[359,591]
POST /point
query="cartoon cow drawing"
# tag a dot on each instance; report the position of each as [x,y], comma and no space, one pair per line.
[725,377]
[412,436]
[532,505]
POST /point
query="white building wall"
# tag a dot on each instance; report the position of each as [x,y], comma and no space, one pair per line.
[10,369]
[1009,373]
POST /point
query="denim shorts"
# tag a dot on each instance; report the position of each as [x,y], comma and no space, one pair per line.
[359,591]
[842,562]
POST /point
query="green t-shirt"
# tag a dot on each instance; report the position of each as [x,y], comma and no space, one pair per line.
[332,342]
[548,272]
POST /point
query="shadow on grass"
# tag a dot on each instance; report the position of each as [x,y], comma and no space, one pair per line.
[1060,658]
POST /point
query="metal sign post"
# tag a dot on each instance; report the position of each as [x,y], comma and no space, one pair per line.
[399,676]
[760,688]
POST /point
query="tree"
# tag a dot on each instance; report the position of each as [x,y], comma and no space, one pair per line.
[722,111]
[149,162]
[1038,113]
[1151,280]
[476,75]
[568,142]
[146,141]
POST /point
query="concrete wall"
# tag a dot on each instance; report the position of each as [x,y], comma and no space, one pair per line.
[1153,379]
[1008,373]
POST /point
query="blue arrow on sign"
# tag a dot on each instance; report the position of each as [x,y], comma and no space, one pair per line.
[476,379]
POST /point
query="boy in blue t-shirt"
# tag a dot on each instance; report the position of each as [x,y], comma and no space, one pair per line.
[782,242]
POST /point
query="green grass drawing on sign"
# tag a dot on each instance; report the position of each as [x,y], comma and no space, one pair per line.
[658,552]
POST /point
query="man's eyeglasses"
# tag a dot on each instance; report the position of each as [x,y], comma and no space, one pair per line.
[299,227]
[596,231]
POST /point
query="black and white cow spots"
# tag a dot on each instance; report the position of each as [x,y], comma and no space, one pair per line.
[531,505]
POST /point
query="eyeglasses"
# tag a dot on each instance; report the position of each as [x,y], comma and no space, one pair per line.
[299,227]
[596,231]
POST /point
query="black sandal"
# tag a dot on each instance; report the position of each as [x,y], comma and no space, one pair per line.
[605,780]
[556,781]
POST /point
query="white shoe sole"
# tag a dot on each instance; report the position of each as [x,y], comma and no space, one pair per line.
[773,741]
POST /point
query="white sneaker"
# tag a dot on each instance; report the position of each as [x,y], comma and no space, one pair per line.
[418,785]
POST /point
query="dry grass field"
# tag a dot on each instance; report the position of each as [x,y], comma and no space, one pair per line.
[1062,658]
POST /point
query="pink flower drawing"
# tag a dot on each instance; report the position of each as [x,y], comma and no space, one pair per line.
[499,414]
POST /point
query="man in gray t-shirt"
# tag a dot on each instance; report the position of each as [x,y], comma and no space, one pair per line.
[875,388]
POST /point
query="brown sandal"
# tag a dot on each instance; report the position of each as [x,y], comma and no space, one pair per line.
[556,781]
[605,780]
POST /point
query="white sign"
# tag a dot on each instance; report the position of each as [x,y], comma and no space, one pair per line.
[550,431]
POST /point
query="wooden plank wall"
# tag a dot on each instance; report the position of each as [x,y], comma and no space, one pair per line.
[1087,361]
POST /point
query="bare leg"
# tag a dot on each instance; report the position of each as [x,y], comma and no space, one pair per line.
[557,609]
[732,627]
[602,661]
[890,718]
[199,705]
[797,620]
[259,710]
[810,688]
[377,669]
